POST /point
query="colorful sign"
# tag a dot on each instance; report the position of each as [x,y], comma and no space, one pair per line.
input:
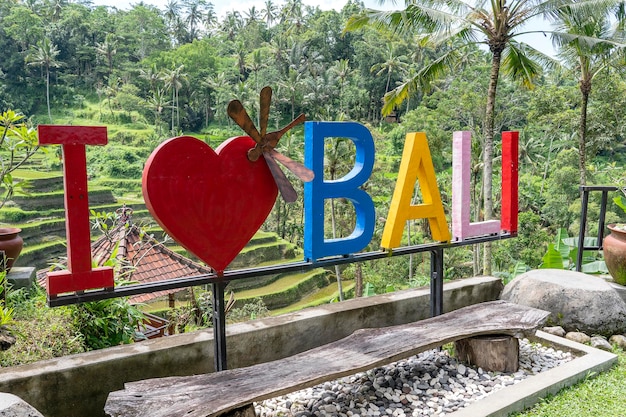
[212,202]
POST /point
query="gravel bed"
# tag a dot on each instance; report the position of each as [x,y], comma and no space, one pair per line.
[429,384]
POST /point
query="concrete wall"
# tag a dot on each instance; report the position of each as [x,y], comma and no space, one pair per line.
[78,385]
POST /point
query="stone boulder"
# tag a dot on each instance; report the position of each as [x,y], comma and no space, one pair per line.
[13,406]
[576,301]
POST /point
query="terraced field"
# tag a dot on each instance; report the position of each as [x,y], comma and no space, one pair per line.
[40,214]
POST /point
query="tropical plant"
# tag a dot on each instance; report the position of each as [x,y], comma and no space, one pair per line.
[590,42]
[455,25]
[563,252]
[44,55]
[18,142]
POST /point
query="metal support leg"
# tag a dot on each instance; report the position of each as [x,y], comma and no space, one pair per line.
[584,201]
[436,282]
[219,326]
[602,220]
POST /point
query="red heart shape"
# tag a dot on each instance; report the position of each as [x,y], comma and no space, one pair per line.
[211,202]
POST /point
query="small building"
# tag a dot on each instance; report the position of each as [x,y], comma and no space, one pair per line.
[140,258]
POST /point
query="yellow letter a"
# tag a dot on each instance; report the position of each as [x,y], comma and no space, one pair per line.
[416,164]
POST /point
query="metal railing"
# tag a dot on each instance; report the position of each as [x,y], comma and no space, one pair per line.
[585,190]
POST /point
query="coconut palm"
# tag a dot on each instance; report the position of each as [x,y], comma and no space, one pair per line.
[392,63]
[44,54]
[589,43]
[195,16]
[174,80]
[269,12]
[459,24]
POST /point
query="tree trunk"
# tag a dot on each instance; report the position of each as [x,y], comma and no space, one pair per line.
[488,150]
[48,93]
[358,279]
[492,353]
[337,270]
[585,88]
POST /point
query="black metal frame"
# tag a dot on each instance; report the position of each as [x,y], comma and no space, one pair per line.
[584,203]
[219,282]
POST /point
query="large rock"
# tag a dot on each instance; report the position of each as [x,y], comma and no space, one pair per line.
[576,301]
[13,406]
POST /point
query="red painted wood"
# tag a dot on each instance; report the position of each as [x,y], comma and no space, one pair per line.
[77,227]
[72,135]
[510,196]
[211,202]
[79,276]
[60,282]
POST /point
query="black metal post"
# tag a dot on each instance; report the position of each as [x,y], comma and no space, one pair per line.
[601,221]
[436,282]
[584,201]
[219,325]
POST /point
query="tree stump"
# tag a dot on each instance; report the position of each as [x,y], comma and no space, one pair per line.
[492,353]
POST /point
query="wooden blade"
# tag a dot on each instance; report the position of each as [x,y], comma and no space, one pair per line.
[283,184]
[299,170]
[240,116]
[273,137]
[264,112]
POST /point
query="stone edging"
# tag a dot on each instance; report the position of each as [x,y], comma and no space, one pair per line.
[530,391]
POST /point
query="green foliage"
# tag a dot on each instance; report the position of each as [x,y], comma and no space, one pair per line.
[18,142]
[115,162]
[529,246]
[255,309]
[107,323]
[562,254]
[41,332]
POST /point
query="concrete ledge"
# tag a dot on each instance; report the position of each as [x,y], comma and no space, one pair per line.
[530,391]
[78,385]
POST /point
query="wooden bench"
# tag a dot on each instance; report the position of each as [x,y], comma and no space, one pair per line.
[232,392]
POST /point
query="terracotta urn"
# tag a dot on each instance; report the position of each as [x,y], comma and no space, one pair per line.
[614,250]
[11,244]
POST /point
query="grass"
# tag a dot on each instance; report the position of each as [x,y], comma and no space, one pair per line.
[324,296]
[598,396]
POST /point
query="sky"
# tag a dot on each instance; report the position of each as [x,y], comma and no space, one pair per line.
[537,40]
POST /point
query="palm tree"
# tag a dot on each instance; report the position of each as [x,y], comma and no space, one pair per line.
[231,24]
[195,15]
[252,15]
[152,75]
[44,55]
[210,17]
[255,65]
[108,49]
[157,102]
[269,12]
[174,80]
[289,88]
[461,24]
[588,41]
[343,71]
[292,13]
[391,64]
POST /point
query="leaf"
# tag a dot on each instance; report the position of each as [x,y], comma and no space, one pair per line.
[620,201]
[552,259]
[519,268]
[560,242]
[595,267]
[368,291]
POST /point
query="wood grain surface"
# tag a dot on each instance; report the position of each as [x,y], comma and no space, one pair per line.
[217,393]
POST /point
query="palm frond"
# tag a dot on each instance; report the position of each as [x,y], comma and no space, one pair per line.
[517,63]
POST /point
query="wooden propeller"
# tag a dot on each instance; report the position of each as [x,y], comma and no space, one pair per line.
[266,142]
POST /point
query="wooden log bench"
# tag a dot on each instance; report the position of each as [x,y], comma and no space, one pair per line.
[233,391]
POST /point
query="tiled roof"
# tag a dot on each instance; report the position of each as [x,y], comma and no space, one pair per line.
[140,259]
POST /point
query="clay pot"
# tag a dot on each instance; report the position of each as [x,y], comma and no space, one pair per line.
[614,250]
[11,244]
